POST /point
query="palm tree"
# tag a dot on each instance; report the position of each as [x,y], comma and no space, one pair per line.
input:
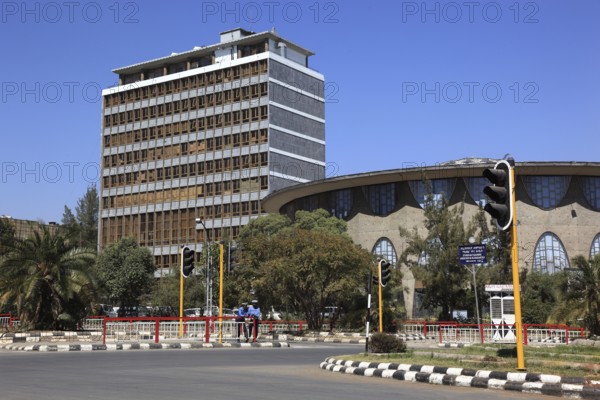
[48,280]
[582,294]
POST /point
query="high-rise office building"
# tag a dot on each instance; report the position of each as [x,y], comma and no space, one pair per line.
[207,134]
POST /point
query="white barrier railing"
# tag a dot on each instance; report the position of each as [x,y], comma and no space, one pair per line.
[5,322]
[492,333]
[8,322]
[92,324]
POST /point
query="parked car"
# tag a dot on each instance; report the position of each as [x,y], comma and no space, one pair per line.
[227,312]
[192,312]
[164,311]
[134,311]
[102,309]
[113,312]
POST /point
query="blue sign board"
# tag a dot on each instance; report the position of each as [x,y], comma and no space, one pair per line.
[472,254]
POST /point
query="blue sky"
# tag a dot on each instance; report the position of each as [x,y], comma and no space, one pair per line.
[408,82]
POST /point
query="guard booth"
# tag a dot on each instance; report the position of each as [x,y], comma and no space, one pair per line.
[502,312]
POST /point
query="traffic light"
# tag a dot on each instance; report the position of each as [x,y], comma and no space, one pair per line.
[385,272]
[232,258]
[187,261]
[500,192]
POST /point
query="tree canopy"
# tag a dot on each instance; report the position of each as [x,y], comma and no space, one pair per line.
[7,234]
[82,227]
[433,256]
[125,272]
[580,291]
[48,280]
[301,265]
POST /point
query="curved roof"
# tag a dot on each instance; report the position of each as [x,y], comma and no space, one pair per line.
[466,167]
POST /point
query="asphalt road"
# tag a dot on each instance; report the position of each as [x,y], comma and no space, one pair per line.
[215,374]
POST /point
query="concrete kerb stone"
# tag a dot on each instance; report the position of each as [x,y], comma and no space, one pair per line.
[137,346]
[50,336]
[554,385]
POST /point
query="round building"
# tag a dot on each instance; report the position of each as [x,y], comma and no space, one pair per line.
[558,207]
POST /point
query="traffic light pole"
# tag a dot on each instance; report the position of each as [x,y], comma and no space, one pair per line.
[515,276]
[181,295]
[503,208]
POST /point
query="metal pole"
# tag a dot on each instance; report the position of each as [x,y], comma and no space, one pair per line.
[368,312]
[209,283]
[206,243]
[221,254]
[515,276]
[181,293]
[380,296]
[476,297]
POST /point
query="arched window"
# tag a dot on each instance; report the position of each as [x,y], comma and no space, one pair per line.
[475,187]
[385,249]
[546,191]
[591,190]
[550,255]
[341,203]
[381,198]
[438,187]
[595,249]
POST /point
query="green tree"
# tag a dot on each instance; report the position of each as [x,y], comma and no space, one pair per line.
[264,227]
[7,234]
[540,296]
[82,228]
[125,272]
[319,220]
[87,215]
[165,291]
[433,258]
[581,294]
[300,266]
[48,280]
[69,226]
[498,269]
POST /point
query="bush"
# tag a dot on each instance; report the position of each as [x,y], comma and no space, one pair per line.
[507,353]
[386,343]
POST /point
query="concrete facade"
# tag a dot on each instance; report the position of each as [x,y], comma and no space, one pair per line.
[25,228]
[207,134]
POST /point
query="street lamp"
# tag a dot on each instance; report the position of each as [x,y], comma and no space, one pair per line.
[208,301]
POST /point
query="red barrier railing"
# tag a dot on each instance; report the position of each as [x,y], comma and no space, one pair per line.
[209,326]
[209,329]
